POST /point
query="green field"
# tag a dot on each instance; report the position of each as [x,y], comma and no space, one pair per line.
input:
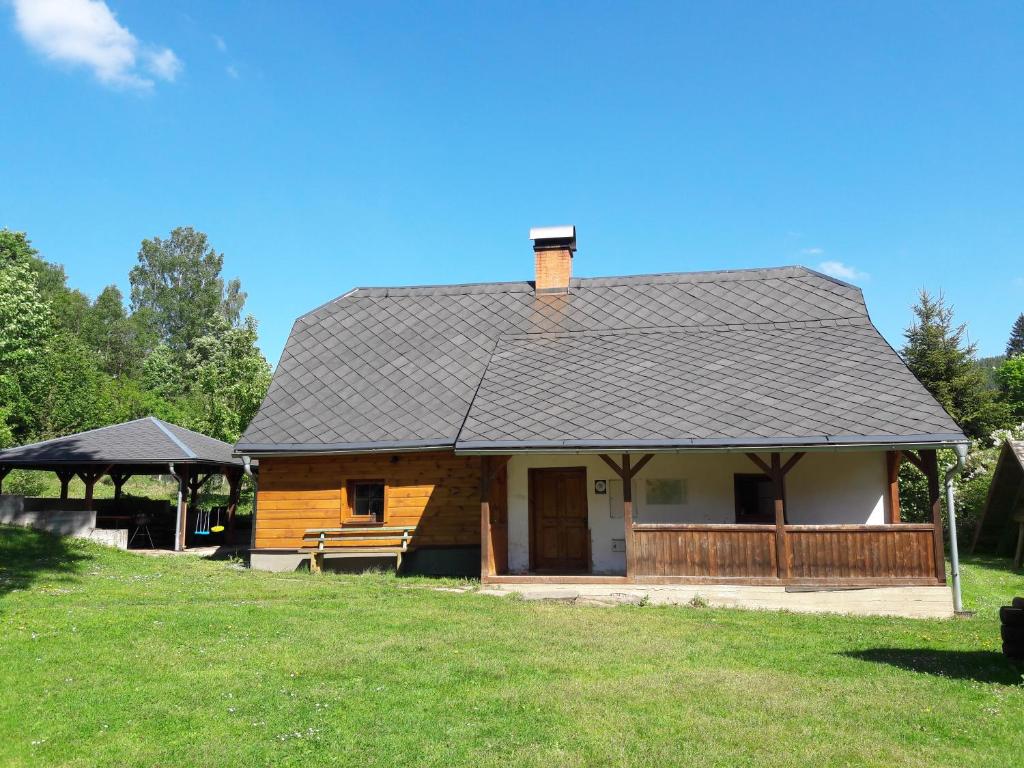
[116,659]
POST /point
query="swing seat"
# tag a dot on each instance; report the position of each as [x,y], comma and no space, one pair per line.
[217,529]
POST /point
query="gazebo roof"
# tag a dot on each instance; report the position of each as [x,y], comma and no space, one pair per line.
[139,444]
[997,529]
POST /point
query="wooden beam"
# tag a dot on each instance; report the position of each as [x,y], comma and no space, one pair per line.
[778,486]
[930,462]
[916,460]
[89,477]
[893,459]
[793,461]
[641,464]
[760,463]
[182,518]
[627,512]
[486,556]
[234,478]
[64,475]
[615,467]
[497,463]
[119,478]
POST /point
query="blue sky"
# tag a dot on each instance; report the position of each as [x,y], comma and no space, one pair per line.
[328,145]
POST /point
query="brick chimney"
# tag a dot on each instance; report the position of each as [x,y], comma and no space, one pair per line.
[552,249]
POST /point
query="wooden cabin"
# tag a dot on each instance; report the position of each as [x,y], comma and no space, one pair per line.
[742,427]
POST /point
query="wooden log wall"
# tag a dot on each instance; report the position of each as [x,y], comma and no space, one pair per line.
[435,491]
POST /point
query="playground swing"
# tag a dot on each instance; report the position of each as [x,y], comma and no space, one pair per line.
[203,520]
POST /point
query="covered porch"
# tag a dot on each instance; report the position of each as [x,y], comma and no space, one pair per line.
[794,518]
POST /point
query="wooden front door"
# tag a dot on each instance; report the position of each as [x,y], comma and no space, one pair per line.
[559,536]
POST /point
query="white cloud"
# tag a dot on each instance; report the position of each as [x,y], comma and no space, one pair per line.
[87,33]
[842,271]
[813,251]
[163,63]
[219,42]
[232,71]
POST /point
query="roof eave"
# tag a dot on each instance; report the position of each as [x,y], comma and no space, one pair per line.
[810,443]
[329,449]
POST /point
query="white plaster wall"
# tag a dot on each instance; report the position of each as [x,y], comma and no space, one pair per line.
[603,527]
[823,488]
[834,488]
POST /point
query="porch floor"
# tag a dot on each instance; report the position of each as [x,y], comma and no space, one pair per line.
[920,602]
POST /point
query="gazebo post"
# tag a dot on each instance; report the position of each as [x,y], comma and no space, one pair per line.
[119,478]
[64,476]
[234,478]
[4,471]
[181,519]
[89,477]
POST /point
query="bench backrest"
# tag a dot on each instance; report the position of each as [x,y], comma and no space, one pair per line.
[320,538]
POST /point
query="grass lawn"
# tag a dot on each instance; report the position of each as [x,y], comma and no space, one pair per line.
[115,659]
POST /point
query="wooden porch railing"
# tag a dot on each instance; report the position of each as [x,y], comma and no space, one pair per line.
[825,554]
[730,551]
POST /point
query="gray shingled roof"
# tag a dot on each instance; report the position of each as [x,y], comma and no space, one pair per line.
[143,441]
[743,357]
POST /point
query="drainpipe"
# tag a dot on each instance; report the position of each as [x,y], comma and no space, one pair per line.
[954,555]
[177,517]
[247,468]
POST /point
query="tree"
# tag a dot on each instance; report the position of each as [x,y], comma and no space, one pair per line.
[1015,346]
[25,327]
[68,307]
[230,378]
[178,281]
[1010,376]
[938,355]
[68,391]
[118,339]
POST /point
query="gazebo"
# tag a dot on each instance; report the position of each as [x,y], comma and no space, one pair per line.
[1001,527]
[146,446]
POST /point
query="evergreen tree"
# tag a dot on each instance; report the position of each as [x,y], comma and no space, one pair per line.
[938,354]
[1015,346]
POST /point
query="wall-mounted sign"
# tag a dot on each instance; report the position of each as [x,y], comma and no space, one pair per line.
[601,486]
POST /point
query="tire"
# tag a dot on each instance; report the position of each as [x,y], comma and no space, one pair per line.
[1013,635]
[1017,602]
[1011,617]
[1014,651]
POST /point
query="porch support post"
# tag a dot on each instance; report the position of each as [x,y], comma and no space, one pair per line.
[930,465]
[627,512]
[626,473]
[893,459]
[486,556]
[781,547]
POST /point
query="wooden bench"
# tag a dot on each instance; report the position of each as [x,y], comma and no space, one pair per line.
[392,541]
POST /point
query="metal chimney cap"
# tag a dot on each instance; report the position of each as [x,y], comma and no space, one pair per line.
[565,233]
